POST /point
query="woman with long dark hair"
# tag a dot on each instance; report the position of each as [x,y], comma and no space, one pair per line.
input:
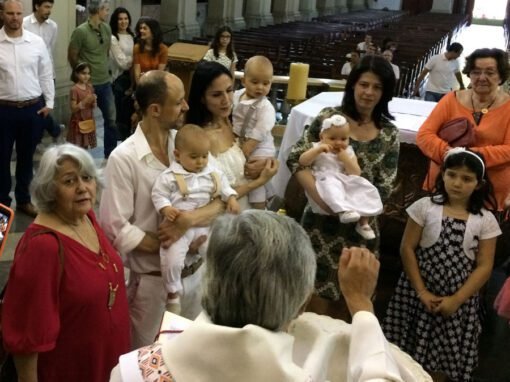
[121,62]
[210,105]
[374,138]
[149,52]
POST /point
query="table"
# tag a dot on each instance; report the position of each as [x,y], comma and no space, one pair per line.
[409,115]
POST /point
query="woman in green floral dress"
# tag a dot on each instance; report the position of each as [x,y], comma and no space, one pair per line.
[374,139]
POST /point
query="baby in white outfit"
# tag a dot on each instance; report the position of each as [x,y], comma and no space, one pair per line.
[189,183]
[337,177]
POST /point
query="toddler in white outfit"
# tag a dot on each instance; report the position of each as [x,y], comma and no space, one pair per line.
[337,177]
[189,183]
[254,117]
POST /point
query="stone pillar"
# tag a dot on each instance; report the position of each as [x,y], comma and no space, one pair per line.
[326,7]
[308,9]
[178,19]
[285,11]
[258,13]
[341,6]
[356,5]
[224,12]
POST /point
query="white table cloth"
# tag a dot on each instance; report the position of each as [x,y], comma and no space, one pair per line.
[409,115]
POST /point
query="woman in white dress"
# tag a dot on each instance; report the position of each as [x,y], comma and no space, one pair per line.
[121,61]
[210,105]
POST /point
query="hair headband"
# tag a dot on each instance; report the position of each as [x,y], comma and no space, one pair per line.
[334,120]
[460,150]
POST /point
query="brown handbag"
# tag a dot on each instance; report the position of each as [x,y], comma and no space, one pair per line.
[88,126]
[458,132]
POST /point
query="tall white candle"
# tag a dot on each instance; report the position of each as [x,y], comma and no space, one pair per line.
[298,78]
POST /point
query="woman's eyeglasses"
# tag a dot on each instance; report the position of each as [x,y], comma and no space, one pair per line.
[479,72]
[100,36]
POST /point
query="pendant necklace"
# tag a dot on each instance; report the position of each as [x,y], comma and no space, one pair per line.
[477,115]
[103,262]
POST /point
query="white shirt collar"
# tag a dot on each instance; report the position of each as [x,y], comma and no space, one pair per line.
[26,36]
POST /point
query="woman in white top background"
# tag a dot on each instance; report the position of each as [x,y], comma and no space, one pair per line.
[222,49]
[121,62]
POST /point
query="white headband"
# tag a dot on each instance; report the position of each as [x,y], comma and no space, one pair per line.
[334,120]
[459,150]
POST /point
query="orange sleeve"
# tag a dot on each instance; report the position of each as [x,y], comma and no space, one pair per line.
[426,139]
[136,54]
[163,54]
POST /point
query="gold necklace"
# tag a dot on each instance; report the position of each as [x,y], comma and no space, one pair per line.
[103,259]
[477,115]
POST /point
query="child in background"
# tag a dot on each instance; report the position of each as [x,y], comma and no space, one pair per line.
[222,49]
[83,100]
[337,177]
[254,117]
[447,252]
[189,183]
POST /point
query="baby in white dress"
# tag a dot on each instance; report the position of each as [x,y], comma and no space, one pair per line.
[337,177]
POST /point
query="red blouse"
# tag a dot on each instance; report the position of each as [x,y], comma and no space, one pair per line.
[77,336]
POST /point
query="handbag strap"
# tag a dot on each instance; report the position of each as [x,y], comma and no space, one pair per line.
[60,256]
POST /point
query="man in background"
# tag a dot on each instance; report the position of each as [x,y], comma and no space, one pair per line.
[39,22]
[90,42]
[388,56]
[443,69]
[27,78]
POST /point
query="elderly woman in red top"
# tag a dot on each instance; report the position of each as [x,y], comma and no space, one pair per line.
[65,314]
[488,108]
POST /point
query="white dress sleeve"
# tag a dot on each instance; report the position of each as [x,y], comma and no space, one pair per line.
[417,211]
[124,62]
[490,226]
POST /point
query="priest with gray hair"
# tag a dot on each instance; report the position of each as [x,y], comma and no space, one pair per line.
[260,270]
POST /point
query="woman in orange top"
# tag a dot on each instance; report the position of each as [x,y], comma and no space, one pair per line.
[149,53]
[488,108]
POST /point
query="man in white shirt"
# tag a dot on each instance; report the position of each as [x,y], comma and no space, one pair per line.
[443,69]
[362,46]
[129,218]
[26,97]
[39,22]
[388,55]
[352,60]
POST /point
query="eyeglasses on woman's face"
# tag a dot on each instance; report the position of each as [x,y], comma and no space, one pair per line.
[488,73]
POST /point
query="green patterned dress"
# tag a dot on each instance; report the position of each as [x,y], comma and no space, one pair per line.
[378,160]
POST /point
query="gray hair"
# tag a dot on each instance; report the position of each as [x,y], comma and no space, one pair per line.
[95,6]
[260,270]
[43,186]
